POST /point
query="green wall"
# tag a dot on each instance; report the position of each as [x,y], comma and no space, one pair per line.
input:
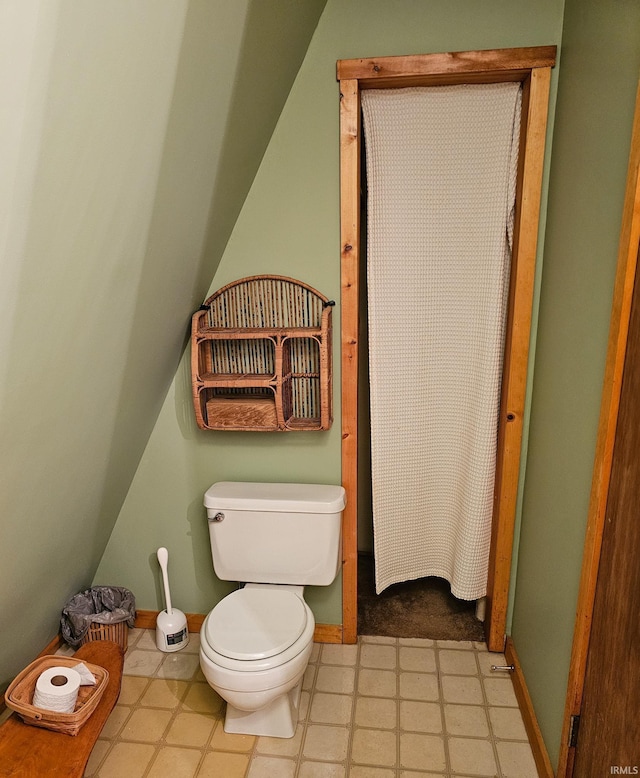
[596,94]
[130,135]
[289,225]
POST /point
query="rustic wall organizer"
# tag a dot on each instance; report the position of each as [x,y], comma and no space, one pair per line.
[261,357]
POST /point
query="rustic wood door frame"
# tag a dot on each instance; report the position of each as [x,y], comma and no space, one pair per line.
[532,67]
[629,248]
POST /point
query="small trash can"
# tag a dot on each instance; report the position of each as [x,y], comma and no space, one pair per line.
[99,613]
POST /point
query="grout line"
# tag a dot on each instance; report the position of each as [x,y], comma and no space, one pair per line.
[441,702]
[311,689]
[352,722]
[487,706]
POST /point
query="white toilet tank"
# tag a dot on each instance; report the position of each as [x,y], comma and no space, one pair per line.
[275,533]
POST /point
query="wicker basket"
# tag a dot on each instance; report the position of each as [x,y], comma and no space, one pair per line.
[118,632]
[19,695]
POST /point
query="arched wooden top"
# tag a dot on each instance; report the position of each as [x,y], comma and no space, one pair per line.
[266,301]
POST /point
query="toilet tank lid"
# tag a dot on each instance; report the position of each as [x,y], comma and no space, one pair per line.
[284,498]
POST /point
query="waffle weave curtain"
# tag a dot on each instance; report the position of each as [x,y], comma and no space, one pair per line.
[441,165]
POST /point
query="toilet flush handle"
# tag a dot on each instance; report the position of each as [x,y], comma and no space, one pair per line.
[218,517]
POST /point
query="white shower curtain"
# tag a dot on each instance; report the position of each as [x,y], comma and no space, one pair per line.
[441,174]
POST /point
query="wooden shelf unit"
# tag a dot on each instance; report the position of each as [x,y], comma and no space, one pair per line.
[261,357]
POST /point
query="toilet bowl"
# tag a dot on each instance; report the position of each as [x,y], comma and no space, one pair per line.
[254,649]
[256,643]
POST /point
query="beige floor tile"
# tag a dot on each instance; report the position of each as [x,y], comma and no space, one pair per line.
[191,729]
[331,708]
[486,659]
[147,640]
[146,724]
[132,688]
[193,646]
[134,635]
[309,678]
[419,686]
[175,763]
[130,759]
[339,680]
[376,712]
[422,774]
[499,691]
[303,708]
[472,756]
[145,663]
[270,767]
[378,683]
[326,743]
[457,662]
[201,698]
[218,764]
[281,746]
[480,645]
[507,723]
[465,690]
[421,717]
[321,770]
[333,654]
[377,639]
[466,720]
[97,755]
[180,666]
[114,723]
[367,771]
[417,642]
[380,657]
[422,752]
[397,687]
[516,760]
[223,741]
[164,693]
[199,676]
[374,747]
[419,660]
[459,645]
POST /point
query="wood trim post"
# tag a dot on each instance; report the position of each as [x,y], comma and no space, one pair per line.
[350,252]
[616,352]
[514,381]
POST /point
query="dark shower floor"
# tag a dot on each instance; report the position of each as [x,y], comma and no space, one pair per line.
[424,608]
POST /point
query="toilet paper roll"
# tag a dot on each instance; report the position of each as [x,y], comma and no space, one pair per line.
[57,689]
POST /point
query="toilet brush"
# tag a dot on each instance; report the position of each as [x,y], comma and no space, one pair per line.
[171,627]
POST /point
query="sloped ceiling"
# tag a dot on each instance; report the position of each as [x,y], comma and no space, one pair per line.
[134,133]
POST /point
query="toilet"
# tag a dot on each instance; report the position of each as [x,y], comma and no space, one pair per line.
[256,643]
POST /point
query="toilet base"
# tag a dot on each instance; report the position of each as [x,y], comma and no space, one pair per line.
[278,719]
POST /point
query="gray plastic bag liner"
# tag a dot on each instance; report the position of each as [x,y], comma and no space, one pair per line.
[100,604]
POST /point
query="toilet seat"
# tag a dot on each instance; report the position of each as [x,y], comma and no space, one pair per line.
[255,629]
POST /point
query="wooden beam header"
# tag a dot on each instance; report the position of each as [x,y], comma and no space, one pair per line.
[382,71]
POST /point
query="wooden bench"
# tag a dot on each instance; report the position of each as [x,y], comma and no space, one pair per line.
[32,752]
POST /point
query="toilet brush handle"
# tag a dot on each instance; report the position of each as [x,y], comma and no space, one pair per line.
[163,559]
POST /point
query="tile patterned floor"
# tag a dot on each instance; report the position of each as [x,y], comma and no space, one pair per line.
[385,708]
